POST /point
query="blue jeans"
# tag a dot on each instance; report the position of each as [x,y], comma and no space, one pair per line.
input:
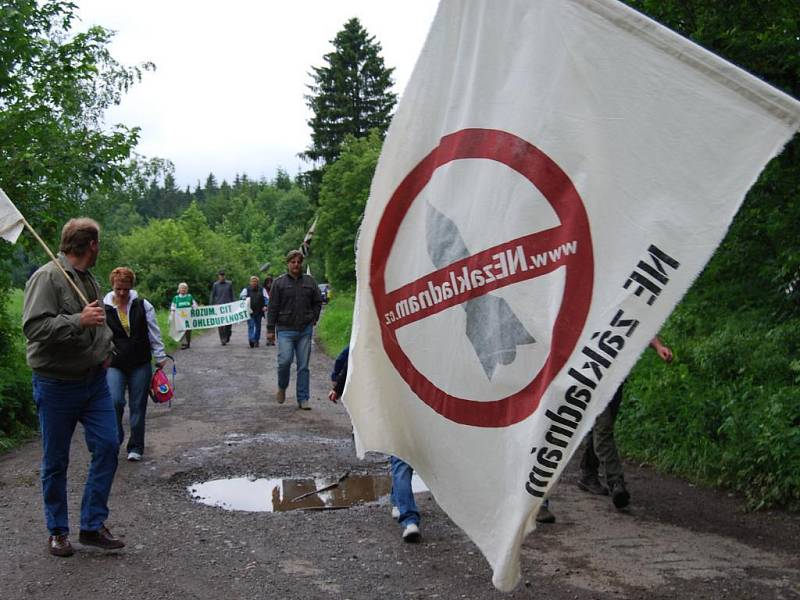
[61,405]
[137,382]
[254,327]
[295,344]
[402,494]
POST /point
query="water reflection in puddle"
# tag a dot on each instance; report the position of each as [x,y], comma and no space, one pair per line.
[279,495]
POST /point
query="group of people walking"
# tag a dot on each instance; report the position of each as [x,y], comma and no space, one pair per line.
[92,354]
[291,304]
[89,351]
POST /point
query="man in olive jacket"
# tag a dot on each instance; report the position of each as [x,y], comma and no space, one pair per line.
[294,307]
[69,348]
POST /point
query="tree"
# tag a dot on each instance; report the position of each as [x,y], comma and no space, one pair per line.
[54,88]
[351,93]
[344,192]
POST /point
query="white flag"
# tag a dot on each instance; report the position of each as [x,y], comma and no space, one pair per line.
[11,220]
[557,174]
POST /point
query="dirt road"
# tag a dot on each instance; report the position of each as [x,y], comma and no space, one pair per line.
[677,540]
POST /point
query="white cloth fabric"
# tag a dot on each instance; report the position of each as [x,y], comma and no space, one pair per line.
[11,220]
[557,174]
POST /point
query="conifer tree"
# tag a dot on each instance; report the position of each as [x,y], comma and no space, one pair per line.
[351,93]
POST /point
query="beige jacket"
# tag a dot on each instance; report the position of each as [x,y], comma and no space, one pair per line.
[58,347]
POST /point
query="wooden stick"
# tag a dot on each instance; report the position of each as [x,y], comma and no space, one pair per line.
[56,261]
[324,489]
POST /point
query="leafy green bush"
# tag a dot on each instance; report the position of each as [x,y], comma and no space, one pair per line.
[726,412]
[17,410]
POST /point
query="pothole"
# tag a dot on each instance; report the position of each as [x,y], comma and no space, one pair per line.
[296,493]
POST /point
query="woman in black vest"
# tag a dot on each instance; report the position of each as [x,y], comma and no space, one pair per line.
[137,339]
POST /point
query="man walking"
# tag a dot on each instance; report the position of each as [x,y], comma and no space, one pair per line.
[222,293]
[294,307]
[69,348]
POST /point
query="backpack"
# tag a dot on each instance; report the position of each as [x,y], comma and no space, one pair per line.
[161,389]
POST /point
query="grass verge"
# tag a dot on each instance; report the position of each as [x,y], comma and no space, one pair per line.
[336,323]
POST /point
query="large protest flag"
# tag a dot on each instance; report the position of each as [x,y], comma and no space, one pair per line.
[557,174]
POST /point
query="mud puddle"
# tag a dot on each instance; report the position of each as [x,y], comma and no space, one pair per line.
[296,493]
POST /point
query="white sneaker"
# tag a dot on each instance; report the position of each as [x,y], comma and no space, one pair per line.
[395,513]
[134,456]
[411,534]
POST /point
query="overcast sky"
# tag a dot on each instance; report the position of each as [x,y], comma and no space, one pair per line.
[227,93]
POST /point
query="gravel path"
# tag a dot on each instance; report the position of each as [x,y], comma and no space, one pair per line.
[677,540]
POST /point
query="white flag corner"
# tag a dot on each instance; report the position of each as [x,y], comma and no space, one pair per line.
[11,220]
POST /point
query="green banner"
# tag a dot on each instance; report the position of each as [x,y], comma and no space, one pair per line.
[203,317]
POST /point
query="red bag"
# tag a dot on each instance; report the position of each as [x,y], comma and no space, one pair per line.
[161,389]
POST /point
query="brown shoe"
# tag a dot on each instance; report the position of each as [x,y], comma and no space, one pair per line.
[58,545]
[280,396]
[101,538]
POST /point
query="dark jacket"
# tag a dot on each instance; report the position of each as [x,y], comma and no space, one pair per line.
[132,350]
[221,292]
[340,363]
[294,303]
[341,375]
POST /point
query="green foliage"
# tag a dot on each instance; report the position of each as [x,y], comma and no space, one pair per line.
[351,94]
[54,88]
[55,85]
[17,411]
[344,193]
[166,252]
[727,412]
[335,324]
[239,228]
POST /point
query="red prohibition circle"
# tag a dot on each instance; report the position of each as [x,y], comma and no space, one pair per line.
[556,187]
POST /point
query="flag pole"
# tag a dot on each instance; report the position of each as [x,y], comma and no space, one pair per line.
[56,261]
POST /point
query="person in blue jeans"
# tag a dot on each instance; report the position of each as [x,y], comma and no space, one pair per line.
[137,340]
[69,349]
[259,299]
[294,308]
[404,507]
